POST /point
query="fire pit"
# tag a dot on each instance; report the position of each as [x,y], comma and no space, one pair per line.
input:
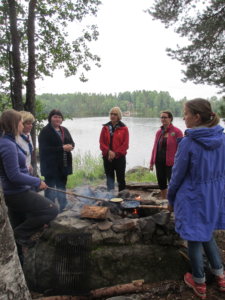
[126,244]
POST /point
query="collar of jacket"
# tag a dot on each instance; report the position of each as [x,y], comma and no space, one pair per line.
[119,124]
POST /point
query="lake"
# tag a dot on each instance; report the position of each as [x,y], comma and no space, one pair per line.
[86,132]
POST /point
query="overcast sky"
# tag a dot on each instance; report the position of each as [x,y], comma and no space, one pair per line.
[133,57]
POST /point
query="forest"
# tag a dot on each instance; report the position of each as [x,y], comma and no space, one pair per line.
[138,103]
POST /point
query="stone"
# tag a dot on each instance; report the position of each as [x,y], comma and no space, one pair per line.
[105,225]
[161,218]
[124,225]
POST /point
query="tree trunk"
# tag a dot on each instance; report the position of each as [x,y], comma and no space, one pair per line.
[17,101]
[30,95]
[12,282]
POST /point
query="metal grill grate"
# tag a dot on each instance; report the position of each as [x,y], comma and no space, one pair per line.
[72,264]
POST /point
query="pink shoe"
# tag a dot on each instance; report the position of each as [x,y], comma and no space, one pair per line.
[198,288]
[221,282]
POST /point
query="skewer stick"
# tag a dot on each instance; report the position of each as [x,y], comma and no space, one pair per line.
[101,199]
[77,195]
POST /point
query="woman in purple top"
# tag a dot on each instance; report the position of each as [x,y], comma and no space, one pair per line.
[196,191]
[28,211]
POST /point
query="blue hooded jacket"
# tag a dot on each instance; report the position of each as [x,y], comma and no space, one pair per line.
[197,185]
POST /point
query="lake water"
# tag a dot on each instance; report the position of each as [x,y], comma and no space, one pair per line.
[86,132]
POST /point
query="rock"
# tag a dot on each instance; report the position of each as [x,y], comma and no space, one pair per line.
[124,225]
[161,218]
[105,225]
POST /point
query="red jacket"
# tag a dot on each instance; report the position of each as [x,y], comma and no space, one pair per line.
[171,147]
[120,142]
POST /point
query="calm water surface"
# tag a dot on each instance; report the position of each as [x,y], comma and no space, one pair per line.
[86,131]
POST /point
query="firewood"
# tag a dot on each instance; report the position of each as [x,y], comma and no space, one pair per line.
[94,212]
[135,286]
[142,185]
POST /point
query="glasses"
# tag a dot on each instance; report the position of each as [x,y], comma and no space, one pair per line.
[113,114]
[164,117]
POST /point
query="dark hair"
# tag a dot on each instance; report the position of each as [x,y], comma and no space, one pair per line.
[9,122]
[203,108]
[54,112]
[168,112]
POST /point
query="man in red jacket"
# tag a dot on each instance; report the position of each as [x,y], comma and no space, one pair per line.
[114,142]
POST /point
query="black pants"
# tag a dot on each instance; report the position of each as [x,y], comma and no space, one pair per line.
[163,174]
[28,212]
[117,165]
[58,182]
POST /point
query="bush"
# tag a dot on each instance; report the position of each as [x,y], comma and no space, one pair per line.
[87,169]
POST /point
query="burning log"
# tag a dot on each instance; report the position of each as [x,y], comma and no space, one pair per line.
[142,185]
[133,287]
[94,212]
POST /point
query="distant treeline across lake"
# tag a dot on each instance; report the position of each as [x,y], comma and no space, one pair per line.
[138,103]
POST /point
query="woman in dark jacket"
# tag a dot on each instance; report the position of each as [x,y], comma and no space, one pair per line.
[114,142]
[55,146]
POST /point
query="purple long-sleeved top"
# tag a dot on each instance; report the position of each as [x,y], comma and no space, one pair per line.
[13,171]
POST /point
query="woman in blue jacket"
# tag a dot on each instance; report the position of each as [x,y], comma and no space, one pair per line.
[196,191]
[28,210]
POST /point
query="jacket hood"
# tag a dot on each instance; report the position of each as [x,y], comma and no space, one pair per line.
[209,138]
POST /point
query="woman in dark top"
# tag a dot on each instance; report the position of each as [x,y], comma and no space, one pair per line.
[164,149]
[28,210]
[55,146]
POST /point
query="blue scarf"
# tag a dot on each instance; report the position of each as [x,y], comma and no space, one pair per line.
[26,138]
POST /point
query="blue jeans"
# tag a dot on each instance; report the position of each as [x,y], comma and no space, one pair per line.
[58,182]
[196,251]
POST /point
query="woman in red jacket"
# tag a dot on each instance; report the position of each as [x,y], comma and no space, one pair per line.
[164,149]
[114,142]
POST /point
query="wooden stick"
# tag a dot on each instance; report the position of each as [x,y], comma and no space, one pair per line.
[77,195]
[105,200]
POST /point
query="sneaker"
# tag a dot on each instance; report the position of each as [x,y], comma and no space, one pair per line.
[198,288]
[221,282]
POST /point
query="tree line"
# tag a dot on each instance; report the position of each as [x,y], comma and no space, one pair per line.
[139,103]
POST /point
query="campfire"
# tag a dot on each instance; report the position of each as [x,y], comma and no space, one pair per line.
[105,243]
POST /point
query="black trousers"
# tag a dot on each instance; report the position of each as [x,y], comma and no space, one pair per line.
[163,174]
[29,212]
[58,182]
[117,165]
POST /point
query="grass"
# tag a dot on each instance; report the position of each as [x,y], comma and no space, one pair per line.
[140,175]
[88,169]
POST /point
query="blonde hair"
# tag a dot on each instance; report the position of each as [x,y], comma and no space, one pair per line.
[9,122]
[27,116]
[203,108]
[117,111]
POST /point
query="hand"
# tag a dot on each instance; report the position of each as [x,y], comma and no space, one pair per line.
[170,208]
[67,147]
[43,186]
[151,168]
[111,155]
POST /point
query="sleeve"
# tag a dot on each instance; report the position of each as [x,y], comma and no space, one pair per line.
[104,147]
[180,169]
[154,149]
[12,168]
[122,149]
[70,139]
[43,140]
